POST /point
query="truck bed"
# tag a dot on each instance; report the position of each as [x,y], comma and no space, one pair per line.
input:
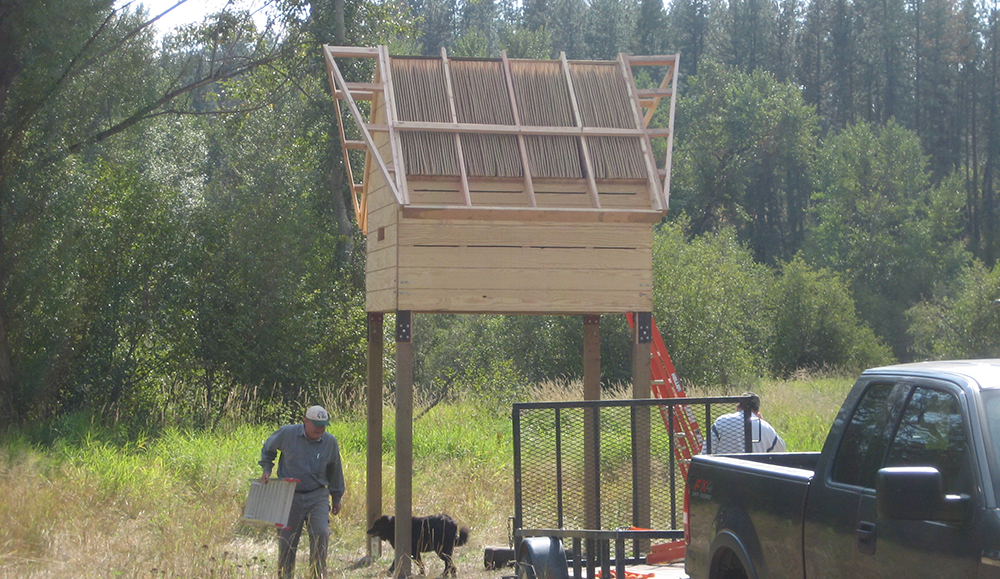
[750,495]
[796,460]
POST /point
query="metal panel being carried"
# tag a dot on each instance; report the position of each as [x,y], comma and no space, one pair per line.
[269,503]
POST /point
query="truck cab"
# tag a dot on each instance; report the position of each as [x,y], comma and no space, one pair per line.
[906,486]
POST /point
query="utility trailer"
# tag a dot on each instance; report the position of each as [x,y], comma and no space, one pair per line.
[598,473]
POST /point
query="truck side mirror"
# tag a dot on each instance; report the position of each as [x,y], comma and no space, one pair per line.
[916,493]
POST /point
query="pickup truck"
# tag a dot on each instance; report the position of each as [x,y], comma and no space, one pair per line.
[906,486]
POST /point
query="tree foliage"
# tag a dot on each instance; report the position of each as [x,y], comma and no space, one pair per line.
[713,307]
[175,236]
[960,321]
[816,325]
[744,157]
[881,224]
[173,232]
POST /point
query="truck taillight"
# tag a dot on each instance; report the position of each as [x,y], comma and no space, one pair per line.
[687,525]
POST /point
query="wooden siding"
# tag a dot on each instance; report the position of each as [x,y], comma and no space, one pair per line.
[511,267]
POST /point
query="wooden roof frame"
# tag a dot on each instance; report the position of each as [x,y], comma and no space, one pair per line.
[393,172]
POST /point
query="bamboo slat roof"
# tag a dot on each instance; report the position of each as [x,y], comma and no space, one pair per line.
[467,124]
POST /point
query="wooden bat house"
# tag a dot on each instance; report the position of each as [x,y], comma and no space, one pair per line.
[505,185]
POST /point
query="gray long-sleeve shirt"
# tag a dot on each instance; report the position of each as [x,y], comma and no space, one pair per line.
[315,463]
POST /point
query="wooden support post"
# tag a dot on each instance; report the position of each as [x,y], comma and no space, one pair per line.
[647,148]
[373,495]
[404,441]
[398,161]
[591,433]
[338,81]
[670,140]
[642,339]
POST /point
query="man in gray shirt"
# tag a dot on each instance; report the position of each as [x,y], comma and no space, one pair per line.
[312,456]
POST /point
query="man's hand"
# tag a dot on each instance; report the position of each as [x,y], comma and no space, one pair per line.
[266,476]
[335,508]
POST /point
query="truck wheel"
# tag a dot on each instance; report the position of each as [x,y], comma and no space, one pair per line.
[541,558]
[728,566]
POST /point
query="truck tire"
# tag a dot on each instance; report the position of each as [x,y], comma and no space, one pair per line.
[541,558]
[728,566]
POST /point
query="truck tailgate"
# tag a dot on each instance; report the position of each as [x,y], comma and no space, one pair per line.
[756,503]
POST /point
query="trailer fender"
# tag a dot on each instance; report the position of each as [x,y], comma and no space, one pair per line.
[541,558]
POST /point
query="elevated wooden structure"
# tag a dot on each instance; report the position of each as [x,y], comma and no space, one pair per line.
[504,185]
[500,186]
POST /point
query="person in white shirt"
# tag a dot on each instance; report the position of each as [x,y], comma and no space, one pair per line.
[727,432]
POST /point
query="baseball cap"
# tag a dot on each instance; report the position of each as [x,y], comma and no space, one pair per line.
[318,416]
[754,402]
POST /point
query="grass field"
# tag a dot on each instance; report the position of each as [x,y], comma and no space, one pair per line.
[87,501]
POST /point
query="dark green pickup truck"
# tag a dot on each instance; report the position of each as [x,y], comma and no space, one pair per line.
[907,485]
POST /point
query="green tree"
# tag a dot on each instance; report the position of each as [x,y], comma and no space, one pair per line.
[439,27]
[688,26]
[750,42]
[75,74]
[961,320]
[650,29]
[816,325]
[745,146]
[610,27]
[940,54]
[568,26]
[882,226]
[713,306]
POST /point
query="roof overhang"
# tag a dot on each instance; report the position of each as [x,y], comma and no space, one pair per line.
[594,123]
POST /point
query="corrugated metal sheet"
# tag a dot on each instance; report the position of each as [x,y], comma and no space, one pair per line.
[269,503]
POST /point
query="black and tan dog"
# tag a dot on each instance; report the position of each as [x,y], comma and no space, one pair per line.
[437,533]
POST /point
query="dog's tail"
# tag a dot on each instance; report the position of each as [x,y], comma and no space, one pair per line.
[463,537]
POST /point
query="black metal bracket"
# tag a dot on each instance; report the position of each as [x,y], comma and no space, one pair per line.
[644,327]
[404,326]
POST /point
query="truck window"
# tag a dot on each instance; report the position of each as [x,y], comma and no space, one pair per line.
[932,433]
[863,443]
[991,400]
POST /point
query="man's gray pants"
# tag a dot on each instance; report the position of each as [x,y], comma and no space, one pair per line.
[312,508]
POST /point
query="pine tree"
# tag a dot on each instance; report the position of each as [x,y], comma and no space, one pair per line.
[688,32]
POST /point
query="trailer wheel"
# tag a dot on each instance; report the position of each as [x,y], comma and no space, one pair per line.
[541,558]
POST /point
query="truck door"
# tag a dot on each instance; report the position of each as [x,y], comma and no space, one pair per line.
[832,539]
[932,431]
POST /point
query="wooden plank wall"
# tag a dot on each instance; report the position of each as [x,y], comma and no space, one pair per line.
[383,218]
[518,267]
[477,265]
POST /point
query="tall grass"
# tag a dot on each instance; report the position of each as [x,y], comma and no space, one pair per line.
[82,500]
[801,409]
[88,502]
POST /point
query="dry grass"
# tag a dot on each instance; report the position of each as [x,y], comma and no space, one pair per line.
[172,507]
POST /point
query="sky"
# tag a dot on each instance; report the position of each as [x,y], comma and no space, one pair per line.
[190,11]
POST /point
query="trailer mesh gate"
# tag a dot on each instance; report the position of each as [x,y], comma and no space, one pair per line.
[554,472]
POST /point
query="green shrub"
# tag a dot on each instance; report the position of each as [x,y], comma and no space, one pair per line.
[816,325]
[712,306]
[960,321]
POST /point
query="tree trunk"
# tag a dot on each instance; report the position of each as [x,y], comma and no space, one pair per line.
[7,401]
[340,29]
